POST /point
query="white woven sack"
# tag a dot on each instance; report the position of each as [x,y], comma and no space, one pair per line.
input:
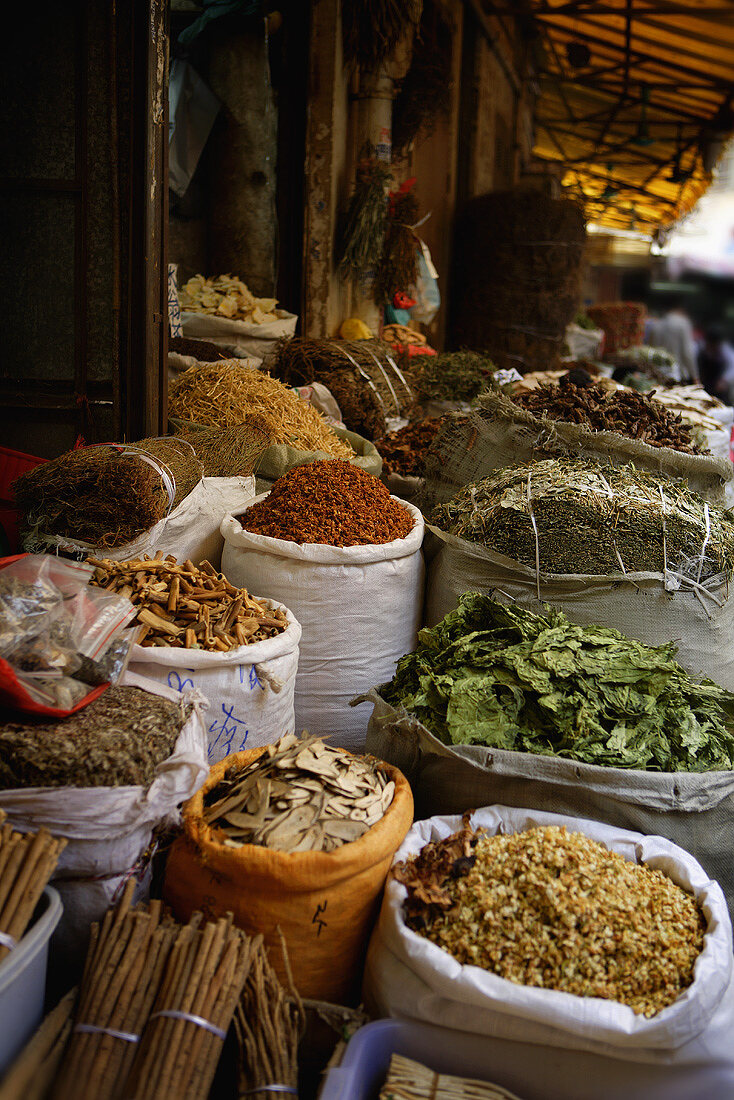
[360,608]
[109,828]
[407,975]
[250,689]
[191,531]
[258,340]
[700,618]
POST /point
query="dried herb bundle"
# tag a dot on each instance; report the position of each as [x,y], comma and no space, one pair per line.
[554,909]
[510,679]
[268,1022]
[363,375]
[27,861]
[227,394]
[204,977]
[299,796]
[372,28]
[635,415]
[425,93]
[364,224]
[118,740]
[572,516]
[108,495]
[227,452]
[404,451]
[398,267]
[188,606]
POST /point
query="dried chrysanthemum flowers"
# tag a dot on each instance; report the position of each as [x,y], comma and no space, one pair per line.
[554,909]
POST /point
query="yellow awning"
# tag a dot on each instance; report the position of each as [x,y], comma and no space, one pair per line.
[635,99]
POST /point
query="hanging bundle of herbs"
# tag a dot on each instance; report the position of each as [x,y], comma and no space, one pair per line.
[398,267]
[364,225]
[573,516]
[425,93]
[371,29]
[510,679]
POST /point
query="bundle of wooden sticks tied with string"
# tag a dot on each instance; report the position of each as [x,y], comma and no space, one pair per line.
[27,861]
[156,1001]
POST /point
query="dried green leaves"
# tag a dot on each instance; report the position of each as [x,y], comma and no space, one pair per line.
[299,796]
[510,679]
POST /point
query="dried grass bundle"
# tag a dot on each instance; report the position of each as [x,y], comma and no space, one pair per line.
[371,29]
[363,375]
[226,395]
[572,516]
[227,452]
[408,1080]
[107,495]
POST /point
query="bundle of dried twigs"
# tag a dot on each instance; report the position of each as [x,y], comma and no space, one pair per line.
[269,1022]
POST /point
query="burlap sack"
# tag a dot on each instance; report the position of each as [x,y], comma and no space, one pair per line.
[325,903]
[699,619]
[499,433]
[693,810]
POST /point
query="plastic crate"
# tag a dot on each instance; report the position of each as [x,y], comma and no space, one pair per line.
[531,1072]
[12,465]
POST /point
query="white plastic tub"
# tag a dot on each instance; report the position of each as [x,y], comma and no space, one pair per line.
[572,1075]
[23,980]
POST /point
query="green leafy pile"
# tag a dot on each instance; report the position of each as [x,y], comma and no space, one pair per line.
[510,679]
[454,375]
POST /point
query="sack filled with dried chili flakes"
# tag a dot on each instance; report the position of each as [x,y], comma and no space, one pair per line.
[332,544]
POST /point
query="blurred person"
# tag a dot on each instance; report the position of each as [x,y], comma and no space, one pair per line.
[716,365]
[674,332]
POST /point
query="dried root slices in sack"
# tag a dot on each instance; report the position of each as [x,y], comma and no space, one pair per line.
[300,795]
[188,606]
[556,910]
[227,296]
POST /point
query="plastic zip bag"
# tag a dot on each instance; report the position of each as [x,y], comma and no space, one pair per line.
[58,636]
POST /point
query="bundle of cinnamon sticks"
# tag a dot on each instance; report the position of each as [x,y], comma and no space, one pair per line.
[27,861]
[155,1003]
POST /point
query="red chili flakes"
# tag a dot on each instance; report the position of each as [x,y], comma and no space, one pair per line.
[330,502]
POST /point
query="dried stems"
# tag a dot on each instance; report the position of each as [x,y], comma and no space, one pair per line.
[27,861]
[107,495]
[364,224]
[268,1022]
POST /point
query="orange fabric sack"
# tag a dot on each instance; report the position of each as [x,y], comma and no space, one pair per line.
[325,903]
